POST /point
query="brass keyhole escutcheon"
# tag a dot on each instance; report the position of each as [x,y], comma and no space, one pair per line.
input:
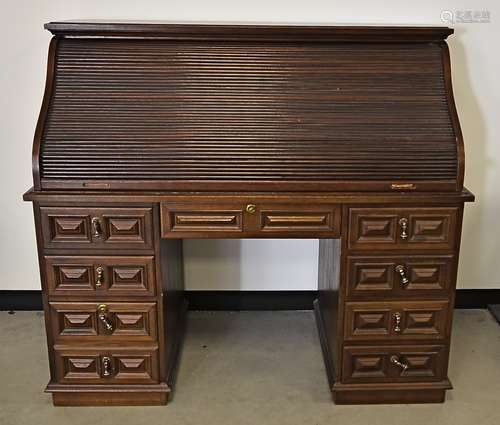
[251,208]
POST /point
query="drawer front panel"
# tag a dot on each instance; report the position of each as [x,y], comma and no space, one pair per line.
[401,276]
[106,366]
[297,219]
[396,320]
[432,227]
[402,228]
[102,228]
[103,322]
[186,219]
[100,276]
[259,219]
[393,364]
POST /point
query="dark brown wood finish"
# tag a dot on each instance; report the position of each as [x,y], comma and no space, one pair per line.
[102,276]
[260,33]
[87,366]
[257,218]
[150,133]
[399,276]
[373,364]
[94,228]
[256,115]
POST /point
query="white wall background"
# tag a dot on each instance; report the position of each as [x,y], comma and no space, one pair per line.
[251,264]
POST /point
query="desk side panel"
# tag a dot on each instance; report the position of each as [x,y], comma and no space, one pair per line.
[328,304]
[174,304]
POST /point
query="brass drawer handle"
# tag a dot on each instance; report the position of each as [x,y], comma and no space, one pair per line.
[96,228]
[400,269]
[397,322]
[106,367]
[395,360]
[99,276]
[403,223]
[102,313]
[251,208]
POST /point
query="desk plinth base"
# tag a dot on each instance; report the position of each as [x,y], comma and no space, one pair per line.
[401,394]
[152,395]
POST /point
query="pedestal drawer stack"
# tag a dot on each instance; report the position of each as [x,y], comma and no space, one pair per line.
[397,279]
[103,303]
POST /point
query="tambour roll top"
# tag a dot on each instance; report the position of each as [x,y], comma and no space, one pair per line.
[200,107]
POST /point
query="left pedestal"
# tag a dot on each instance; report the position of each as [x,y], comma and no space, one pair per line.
[113,301]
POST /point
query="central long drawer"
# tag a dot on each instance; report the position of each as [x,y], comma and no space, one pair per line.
[249,219]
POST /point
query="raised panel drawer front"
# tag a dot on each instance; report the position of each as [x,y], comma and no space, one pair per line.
[396,320]
[106,366]
[402,228]
[394,364]
[103,322]
[100,276]
[114,228]
[179,219]
[288,220]
[401,276]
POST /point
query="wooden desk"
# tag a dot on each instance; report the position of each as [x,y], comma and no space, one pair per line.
[152,133]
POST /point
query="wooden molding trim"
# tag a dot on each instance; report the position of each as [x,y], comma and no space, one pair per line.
[261,33]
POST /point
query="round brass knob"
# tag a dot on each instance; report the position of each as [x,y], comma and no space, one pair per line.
[251,208]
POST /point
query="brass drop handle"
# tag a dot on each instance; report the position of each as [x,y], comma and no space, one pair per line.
[397,322]
[251,208]
[96,228]
[403,223]
[99,276]
[102,313]
[106,366]
[395,360]
[400,269]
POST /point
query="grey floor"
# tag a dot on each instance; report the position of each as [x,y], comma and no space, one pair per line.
[253,368]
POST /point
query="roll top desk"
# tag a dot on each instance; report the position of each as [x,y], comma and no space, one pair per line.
[150,133]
